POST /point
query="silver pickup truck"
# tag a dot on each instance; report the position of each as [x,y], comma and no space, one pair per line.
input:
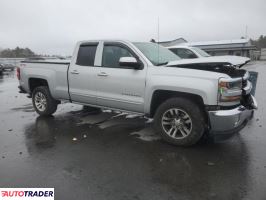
[186,98]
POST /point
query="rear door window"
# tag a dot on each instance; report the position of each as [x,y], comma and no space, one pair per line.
[86,54]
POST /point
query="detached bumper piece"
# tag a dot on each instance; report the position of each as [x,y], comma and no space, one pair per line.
[224,123]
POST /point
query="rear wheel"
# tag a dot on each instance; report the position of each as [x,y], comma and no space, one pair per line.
[43,102]
[179,121]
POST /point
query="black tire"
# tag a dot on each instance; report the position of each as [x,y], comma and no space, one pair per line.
[51,103]
[184,107]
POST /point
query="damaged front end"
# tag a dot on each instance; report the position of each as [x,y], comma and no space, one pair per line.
[235,102]
[219,67]
[248,90]
[234,91]
[237,91]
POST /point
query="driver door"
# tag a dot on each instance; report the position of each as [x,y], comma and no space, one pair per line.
[119,87]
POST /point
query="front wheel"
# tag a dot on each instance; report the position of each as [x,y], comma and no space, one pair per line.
[43,102]
[179,121]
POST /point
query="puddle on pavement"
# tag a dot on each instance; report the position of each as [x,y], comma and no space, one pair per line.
[147,134]
[78,126]
[24,108]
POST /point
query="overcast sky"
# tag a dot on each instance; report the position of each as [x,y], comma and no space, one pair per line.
[54,26]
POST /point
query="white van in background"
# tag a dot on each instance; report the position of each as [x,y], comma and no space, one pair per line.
[189,52]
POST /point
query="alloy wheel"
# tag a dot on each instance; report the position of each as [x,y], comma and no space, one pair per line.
[40,101]
[176,123]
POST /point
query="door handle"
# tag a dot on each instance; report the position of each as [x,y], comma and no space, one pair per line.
[74,72]
[102,74]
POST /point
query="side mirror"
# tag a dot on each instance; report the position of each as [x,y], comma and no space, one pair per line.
[129,62]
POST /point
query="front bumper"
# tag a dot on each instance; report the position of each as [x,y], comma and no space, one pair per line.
[224,123]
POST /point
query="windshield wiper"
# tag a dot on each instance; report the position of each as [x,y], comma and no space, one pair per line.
[163,63]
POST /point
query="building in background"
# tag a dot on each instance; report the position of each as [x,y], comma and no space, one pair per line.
[263,54]
[238,47]
[172,42]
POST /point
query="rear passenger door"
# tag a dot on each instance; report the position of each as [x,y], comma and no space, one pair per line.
[118,86]
[82,74]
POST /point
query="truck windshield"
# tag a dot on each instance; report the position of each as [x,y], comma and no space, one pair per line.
[201,52]
[157,54]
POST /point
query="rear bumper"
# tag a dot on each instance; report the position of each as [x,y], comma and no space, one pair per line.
[224,123]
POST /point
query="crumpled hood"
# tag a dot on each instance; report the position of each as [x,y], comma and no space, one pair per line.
[237,61]
[234,60]
[191,61]
[206,64]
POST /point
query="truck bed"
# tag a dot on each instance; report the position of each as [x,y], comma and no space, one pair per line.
[54,71]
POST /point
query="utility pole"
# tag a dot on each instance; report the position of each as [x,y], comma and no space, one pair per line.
[158,37]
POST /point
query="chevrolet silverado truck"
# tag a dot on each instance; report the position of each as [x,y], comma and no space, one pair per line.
[186,99]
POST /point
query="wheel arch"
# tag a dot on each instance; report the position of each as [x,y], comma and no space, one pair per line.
[159,96]
[36,82]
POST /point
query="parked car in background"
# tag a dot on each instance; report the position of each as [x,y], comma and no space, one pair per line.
[186,98]
[9,67]
[1,69]
[188,52]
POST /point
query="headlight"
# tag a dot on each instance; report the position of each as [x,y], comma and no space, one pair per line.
[229,90]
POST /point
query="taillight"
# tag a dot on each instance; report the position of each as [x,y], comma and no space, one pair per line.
[18,73]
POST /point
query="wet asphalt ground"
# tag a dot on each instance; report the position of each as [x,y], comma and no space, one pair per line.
[117,156]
